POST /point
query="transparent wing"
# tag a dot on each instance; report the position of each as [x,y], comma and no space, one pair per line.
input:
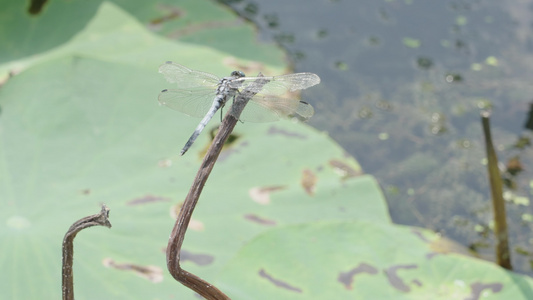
[279,85]
[267,108]
[187,78]
[193,102]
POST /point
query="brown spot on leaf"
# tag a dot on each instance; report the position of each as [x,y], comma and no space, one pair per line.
[151,273]
[86,191]
[273,130]
[199,259]
[431,255]
[278,282]
[193,223]
[344,169]
[259,220]
[347,278]
[419,235]
[250,68]
[171,14]
[147,199]
[36,6]
[395,280]
[443,245]
[12,72]
[308,182]
[175,210]
[202,26]
[196,225]
[417,282]
[164,163]
[261,195]
[478,288]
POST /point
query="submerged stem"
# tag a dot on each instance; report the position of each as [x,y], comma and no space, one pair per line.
[503,255]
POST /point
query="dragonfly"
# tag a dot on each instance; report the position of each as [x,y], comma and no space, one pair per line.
[201,94]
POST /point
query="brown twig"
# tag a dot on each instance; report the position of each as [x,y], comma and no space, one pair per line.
[101,219]
[503,255]
[175,242]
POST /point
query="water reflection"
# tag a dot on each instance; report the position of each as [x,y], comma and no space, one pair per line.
[403,83]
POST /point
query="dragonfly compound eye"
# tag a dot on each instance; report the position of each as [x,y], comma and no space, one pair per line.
[237,74]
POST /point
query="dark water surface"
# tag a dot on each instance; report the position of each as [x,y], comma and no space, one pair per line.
[403,83]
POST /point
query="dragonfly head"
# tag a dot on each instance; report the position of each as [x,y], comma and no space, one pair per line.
[237,74]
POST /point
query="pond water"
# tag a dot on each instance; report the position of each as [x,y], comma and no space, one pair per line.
[403,83]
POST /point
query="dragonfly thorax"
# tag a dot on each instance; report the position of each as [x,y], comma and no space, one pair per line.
[224,87]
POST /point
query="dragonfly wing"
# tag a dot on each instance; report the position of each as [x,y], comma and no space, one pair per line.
[278,85]
[187,78]
[268,108]
[304,111]
[192,102]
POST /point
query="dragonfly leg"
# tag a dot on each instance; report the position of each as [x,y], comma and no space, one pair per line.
[222,111]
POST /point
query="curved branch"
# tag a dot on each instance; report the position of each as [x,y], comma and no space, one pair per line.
[100,219]
[177,236]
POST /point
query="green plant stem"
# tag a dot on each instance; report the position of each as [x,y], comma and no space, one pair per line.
[503,255]
[177,236]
